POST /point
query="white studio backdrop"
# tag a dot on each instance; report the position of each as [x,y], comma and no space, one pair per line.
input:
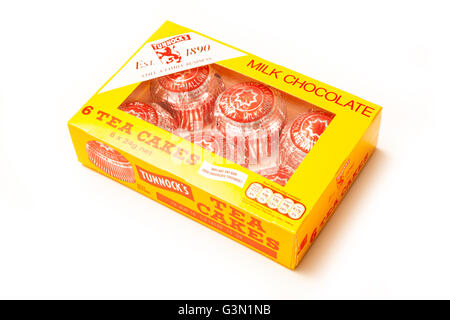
[67,232]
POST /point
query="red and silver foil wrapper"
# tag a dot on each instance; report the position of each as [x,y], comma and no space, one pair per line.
[210,140]
[282,176]
[250,116]
[298,138]
[189,95]
[152,113]
[110,161]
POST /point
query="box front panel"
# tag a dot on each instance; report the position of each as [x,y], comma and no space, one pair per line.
[170,190]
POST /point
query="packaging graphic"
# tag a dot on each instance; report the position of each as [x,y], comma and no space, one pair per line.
[248,148]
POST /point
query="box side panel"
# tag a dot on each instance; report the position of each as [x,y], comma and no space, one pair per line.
[170,190]
[336,190]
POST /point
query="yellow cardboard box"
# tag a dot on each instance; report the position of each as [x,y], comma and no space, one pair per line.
[209,189]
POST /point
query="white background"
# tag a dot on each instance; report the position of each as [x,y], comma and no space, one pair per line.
[67,232]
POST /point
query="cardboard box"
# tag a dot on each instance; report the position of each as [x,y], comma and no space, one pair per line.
[277,219]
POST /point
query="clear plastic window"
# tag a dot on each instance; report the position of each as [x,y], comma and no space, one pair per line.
[233,116]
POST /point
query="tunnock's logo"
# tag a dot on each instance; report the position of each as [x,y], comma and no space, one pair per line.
[166,50]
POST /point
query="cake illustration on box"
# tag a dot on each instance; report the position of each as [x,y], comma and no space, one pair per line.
[110,161]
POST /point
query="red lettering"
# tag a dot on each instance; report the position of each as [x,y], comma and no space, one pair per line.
[272,243]
[218,216]
[218,204]
[367,111]
[258,236]
[237,225]
[143,135]
[101,115]
[237,214]
[154,142]
[255,223]
[114,122]
[167,146]
[126,128]
[203,208]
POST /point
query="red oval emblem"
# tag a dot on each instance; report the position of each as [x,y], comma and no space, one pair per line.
[246,102]
[307,128]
